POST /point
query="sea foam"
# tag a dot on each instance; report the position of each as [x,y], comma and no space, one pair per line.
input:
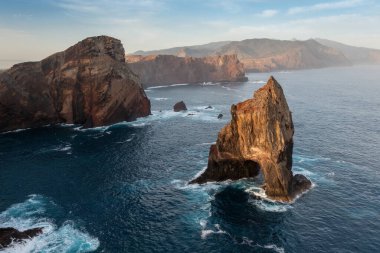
[55,238]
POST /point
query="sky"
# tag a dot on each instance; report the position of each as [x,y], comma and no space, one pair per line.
[34,29]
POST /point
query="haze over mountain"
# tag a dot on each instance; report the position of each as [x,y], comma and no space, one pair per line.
[357,55]
[262,55]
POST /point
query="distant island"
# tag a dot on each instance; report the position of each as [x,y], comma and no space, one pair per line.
[265,55]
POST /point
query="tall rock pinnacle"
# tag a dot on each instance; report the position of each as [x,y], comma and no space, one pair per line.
[259,137]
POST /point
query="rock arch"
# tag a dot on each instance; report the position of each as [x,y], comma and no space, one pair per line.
[259,136]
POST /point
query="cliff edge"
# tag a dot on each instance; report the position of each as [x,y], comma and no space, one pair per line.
[168,69]
[88,84]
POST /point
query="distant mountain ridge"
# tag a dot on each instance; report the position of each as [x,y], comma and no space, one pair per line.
[194,51]
[357,55]
[264,55]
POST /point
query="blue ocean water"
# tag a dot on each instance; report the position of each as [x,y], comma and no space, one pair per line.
[123,188]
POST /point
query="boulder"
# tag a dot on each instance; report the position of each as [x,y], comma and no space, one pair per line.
[179,106]
[9,235]
[258,138]
[220,116]
[87,84]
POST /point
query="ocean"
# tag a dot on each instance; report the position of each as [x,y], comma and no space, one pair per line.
[123,188]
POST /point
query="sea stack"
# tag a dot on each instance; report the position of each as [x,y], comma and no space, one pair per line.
[88,84]
[258,138]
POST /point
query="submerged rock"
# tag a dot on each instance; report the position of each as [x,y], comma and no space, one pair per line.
[88,84]
[220,116]
[259,137]
[179,106]
[9,235]
[208,107]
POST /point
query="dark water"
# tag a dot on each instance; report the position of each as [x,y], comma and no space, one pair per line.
[123,188]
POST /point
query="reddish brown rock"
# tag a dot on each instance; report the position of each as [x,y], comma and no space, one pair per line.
[9,235]
[179,106]
[88,84]
[258,138]
[168,69]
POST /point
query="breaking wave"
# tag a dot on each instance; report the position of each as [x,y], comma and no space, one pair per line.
[32,213]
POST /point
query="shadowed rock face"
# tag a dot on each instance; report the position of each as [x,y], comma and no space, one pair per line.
[168,69]
[259,137]
[9,235]
[88,84]
[179,106]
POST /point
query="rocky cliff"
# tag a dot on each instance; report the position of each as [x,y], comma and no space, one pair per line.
[88,84]
[258,138]
[169,69]
[264,55]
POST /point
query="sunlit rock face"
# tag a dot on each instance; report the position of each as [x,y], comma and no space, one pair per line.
[168,69]
[258,138]
[88,84]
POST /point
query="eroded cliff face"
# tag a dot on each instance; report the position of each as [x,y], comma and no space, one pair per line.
[88,84]
[169,69]
[258,138]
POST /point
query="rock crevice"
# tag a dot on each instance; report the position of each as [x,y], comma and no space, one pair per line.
[258,138]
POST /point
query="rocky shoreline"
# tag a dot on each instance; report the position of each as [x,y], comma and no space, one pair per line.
[155,70]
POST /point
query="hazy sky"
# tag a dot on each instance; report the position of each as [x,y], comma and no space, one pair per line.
[33,29]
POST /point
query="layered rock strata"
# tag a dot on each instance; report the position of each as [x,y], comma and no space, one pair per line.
[258,138]
[88,84]
[168,69]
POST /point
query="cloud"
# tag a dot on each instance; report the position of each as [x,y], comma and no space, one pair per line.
[116,6]
[268,13]
[78,6]
[325,6]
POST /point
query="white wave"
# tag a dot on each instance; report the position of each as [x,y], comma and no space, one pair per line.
[206,232]
[209,84]
[100,128]
[309,159]
[65,125]
[63,238]
[275,248]
[206,143]
[179,84]
[16,130]
[160,99]
[262,201]
[166,86]
[156,87]
[66,147]
[258,82]
[199,173]
[300,170]
[141,124]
